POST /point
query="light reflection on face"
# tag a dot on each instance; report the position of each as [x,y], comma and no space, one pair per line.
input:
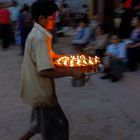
[50,23]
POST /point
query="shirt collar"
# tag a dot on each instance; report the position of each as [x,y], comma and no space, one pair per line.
[39,27]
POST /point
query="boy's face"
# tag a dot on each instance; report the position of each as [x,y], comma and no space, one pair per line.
[115,39]
[47,22]
[50,23]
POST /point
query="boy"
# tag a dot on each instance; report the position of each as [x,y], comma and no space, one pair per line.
[37,87]
[4,26]
[133,48]
[116,53]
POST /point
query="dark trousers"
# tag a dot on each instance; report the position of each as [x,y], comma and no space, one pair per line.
[5,35]
[50,122]
[24,35]
[116,68]
[133,55]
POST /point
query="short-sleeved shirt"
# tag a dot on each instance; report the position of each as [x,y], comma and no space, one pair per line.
[82,35]
[118,50]
[34,89]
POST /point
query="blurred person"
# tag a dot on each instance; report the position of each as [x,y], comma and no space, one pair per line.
[25,24]
[57,19]
[137,9]
[133,50]
[5,25]
[98,46]
[84,11]
[37,88]
[14,15]
[82,35]
[131,8]
[24,6]
[125,25]
[0,26]
[116,53]
[64,15]
[94,22]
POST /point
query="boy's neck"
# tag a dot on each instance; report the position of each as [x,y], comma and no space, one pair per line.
[41,25]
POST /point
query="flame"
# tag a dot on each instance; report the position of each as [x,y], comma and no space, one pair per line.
[79,60]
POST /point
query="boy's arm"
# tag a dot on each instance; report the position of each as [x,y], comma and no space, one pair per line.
[56,55]
[44,63]
[58,73]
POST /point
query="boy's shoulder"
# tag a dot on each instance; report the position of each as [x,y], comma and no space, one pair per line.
[36,34]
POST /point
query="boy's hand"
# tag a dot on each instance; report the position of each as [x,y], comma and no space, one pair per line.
[77,74]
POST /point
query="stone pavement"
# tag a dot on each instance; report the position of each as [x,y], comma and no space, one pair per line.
[101,110]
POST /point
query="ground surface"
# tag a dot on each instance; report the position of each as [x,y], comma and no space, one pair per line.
[101,110]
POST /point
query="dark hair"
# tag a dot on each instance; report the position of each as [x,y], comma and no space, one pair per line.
[14,2]
[25,7]
[83,20]
[44,8]
[84,6]
[65,5]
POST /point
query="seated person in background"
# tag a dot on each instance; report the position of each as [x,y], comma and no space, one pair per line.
[116,53]
[94,22]
[82,35]
[133,47]
[98,46]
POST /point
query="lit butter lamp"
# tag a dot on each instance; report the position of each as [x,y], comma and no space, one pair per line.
[86,64]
